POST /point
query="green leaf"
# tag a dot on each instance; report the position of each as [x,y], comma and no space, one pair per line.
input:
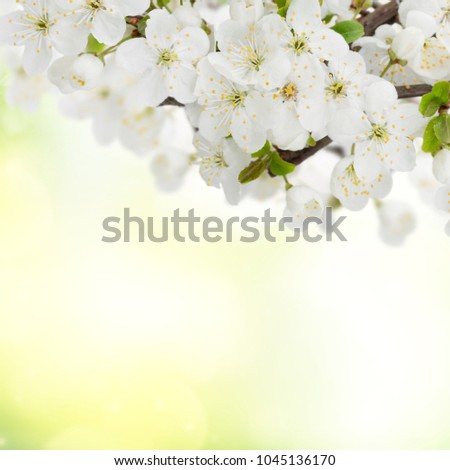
[431,143]
[442,91]
[430,104]
[283,12]
[267,148]
[142,25]
[93,45]
[280,167]
[328,18]
[255,169]
[283,6]
[439,96]
[442,129]
[206,28]
[350,30]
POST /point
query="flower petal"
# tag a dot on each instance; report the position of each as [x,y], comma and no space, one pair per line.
[348,126]
[135,55]
[37,57]
[380,97]
[303,13]
[192,44]
[400,154]
[162,27]
[109,27]
[153,89]
[246,131]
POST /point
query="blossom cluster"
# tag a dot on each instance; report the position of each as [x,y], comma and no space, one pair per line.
[257,80]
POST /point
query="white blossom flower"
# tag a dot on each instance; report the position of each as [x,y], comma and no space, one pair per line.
[441,166]
[354,192]
[104,19]
[230,109]
[70,74]
[251,55]
[115,108]
[408,43]
[382,134]
[220,165]
[246,76]
[35,27]
[375,51]
[23,91]
[166,58]
[433,61]
[433,18]
[139,130]
[104,104]
[397,221]
[297,107]
[345,81]
[306,34]
[321,91]
[302,202]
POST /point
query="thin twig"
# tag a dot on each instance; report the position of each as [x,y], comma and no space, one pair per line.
[413,91]
[299,156]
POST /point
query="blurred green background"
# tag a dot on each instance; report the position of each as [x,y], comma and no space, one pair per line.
[203,346]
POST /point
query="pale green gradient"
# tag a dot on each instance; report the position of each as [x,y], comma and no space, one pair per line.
[192,346]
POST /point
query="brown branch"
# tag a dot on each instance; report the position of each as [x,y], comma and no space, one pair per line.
[170,102]
[382,15]
[299,156]
[413,91]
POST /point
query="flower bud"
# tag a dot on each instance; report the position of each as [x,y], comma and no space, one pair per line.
[70,74]
[246,12]
[87,69]
[408,43]
[303,202]
[186,15]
